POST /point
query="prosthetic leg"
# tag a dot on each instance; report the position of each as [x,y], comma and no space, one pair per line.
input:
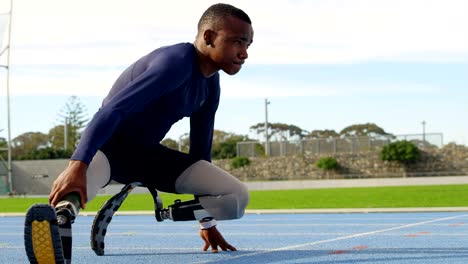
[179,211]
[41,235]
[104,217]
[48,233]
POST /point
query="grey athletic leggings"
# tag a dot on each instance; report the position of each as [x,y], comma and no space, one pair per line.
[223,196]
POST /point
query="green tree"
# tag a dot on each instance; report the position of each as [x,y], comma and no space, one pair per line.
[315,134]
[28,142]
[3,144]
[184,143]
[170,143]
[56,137]
[73,113]
[367,129]
[280,131]
[46,153]
[225,144]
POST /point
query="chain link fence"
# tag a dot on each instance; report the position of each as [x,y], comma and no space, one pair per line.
[3,177]
[334,145]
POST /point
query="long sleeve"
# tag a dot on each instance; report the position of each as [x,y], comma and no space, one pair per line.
[155,80]
[202,125]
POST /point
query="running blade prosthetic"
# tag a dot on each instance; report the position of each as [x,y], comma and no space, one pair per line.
[42,236]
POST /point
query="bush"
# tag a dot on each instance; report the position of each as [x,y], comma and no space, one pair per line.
[259,150]
[46,153]
[327,163]
[238,162]
[401,151]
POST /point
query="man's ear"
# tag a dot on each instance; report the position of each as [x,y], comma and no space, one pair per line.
[208,37]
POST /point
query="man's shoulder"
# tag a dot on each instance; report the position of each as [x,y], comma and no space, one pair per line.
[183,47]
[176,51]
[174,56]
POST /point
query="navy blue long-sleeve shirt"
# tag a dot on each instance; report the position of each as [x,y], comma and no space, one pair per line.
[149,97]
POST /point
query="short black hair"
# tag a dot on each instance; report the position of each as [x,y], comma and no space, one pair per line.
[216,12]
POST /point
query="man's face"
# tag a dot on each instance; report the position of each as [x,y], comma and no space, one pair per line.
[230,45]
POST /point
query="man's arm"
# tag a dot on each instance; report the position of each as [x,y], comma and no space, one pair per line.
[202,125]
[72,179]
[133,96]
[132,93]
[201,140]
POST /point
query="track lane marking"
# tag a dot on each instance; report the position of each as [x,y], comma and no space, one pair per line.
[336,239]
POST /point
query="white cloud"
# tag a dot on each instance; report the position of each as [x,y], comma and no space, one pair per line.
[79,87]
[113,34]
[265,88]
[353,31]
[108,32]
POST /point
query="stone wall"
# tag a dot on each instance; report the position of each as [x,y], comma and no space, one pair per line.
[449,160]
[36,176]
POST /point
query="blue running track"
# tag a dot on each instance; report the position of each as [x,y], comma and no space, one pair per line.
[401,238]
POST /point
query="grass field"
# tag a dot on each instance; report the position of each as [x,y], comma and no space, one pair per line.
[373,197]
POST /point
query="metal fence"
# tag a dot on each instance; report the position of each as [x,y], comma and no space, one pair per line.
[334,145]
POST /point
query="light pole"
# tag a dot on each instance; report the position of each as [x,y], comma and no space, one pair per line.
[267,144]
[65,134]
[7,67]
[424,130]
[179,144]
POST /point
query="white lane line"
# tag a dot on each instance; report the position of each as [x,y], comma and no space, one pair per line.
[337,238]
[116,226]
[286,234]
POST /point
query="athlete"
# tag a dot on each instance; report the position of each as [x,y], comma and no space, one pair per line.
[122,140]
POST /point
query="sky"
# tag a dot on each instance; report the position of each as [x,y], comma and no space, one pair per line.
[322,64]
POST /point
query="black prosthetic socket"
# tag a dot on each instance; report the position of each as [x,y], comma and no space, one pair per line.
[184,211]
[66,205]
[73,198]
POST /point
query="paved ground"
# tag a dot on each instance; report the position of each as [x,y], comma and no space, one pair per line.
[403,238]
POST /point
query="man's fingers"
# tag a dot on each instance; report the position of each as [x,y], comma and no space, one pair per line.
[83,198]
[214,239]
[214,246]
[51,199]
[203,236]
[52,194]
[231,248]
[222,243]
[54,198]
[225,246]
[56,195]
[206,246]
